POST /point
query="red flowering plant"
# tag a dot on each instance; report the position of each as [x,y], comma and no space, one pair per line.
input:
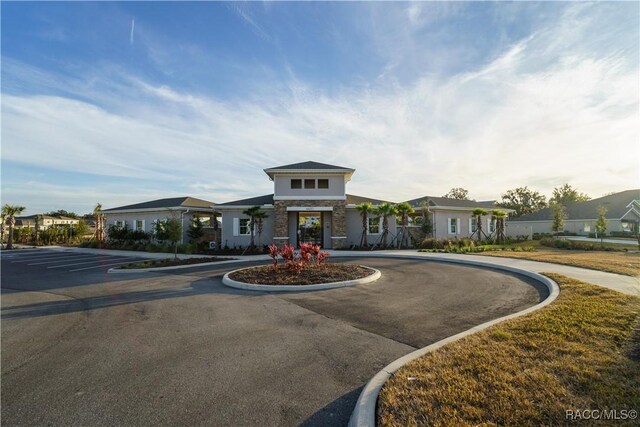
[309,255]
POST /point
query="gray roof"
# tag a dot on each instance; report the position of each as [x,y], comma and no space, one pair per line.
[616,205]
[456,203]
[356,200]
[309,165]
[173,202]
[267,199]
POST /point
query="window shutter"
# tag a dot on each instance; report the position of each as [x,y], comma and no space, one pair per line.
[236,226]
[470,227]
[458,222]
[143,225]
[134,225]
[449,225]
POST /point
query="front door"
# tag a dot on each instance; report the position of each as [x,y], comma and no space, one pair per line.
[310,228]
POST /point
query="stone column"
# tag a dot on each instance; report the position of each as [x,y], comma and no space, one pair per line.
[281,223]
[339,225]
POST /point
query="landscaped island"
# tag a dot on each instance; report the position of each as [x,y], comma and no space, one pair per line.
[299,268]
[326,273]
[170,262]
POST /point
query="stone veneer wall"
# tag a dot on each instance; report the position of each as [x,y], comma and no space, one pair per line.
[338,220]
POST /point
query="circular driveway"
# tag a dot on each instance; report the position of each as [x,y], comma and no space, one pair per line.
[180,348]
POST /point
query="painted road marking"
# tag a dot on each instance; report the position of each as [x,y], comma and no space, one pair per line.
[101,266]
[93,262]
[65,259]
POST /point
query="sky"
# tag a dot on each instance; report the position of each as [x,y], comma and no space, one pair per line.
[124,102]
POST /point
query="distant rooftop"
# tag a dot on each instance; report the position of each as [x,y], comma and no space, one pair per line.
[449,202]
[173,202]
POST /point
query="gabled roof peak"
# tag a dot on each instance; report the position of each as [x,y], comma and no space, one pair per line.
[309,165]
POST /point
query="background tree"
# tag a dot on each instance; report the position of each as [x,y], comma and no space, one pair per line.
[365,209]
[457,193]
[478,214]
[10,212]
[523,201]
[385,210]
[37,220]
[81,229]
[61,212]
[427,224]
[566,194]
[499,217]
[601,224]
[559,215]
[196,230]
[404,209]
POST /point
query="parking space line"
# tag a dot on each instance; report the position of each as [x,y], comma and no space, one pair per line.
[40,257]
[104,265]
[64,259]
[92,262]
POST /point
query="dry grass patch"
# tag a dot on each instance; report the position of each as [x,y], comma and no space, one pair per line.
[613,262]
[581,352]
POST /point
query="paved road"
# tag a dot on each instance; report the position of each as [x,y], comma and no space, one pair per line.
[87,348]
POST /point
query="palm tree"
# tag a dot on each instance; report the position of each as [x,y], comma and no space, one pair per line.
[479,213]
[364,209]
[259,215]
[251,213]
[404,209]
[10,212]
[37,220]
[99,216]
[499,216]
[385,210]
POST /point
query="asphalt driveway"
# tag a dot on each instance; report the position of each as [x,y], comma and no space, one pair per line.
[88,348]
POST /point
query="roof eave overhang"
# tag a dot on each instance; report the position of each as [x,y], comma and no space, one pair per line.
[348,173]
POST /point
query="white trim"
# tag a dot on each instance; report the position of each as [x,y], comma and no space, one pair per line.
[243,207]
[126,211]
[633,202]
[318,197]
[338,237]
[310,209]
[632,209]
[379,226]
[281,238]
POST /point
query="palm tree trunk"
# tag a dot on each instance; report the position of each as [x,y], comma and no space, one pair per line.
[12,223]
[363,239]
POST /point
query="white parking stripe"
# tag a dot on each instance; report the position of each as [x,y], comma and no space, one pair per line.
[126,260]
[100,266]
[41,257]
[65,259]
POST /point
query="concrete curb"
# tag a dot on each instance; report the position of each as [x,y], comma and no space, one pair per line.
[299,288]
[364,413]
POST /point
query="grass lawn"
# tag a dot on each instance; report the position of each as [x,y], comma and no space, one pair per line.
[582,352]
[613,262]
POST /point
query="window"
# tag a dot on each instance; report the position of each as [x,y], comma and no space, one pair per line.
[244,226]
[587,228]
[309,183]
[473,224]
[139,225]
[119,223]
[323,183]
[296,183]
[491,225]
[453,225]
[374,225]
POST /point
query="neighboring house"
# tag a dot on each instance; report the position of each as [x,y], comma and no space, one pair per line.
[623,215]
[143,216]
[452,218]
[46,221]
[309,204]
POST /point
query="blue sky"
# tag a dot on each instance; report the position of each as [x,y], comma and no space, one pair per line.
[124,102]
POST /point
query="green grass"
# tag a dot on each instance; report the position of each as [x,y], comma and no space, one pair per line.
[581,352]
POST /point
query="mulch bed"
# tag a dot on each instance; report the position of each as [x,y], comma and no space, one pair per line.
[171,262]
[327,273]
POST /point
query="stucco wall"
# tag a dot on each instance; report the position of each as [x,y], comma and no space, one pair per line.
[282,186]
[148,217]
[230,240]
[354,230]
[581,227]
[441,227]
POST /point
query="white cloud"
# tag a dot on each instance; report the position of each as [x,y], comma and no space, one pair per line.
[540,114]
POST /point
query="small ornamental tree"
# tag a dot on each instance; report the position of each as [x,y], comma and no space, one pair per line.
[173,230]
[195,231]
[10,212]
[499,216]
[259,216]
[385,210]
[559,215]
[601,224]
[427,224]
[478,214]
